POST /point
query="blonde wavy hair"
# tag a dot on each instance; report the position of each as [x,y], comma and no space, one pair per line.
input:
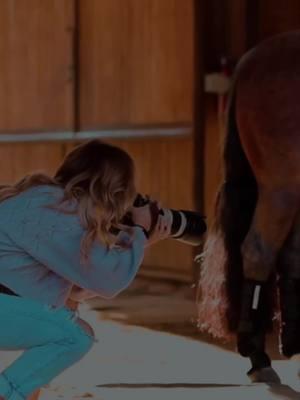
[100,177]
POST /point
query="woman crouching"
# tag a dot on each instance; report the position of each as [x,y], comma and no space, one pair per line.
[56,248]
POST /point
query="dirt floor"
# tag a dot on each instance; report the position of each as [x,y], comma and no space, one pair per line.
[149,348]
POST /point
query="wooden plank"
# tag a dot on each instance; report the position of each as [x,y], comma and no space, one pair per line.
[199,105]
[36,65]
[225,30]
[165,170]
[238,29]
[252,22]
[215,29]
[136,62]
[18,160]
[277,16]
[167,130]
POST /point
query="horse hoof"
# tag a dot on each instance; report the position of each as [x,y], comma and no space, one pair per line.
[264,375]
[296,359]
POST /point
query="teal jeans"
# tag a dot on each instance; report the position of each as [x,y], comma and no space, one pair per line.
[50,337]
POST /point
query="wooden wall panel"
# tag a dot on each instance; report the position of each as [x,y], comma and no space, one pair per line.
[36,84]
[237,26]
[136,62]
[165,171]
[135,68]
[17,160]
[224,31]
[277,16]
[215,33]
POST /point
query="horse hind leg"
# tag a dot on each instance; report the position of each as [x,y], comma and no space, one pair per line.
[272,222]
[289,284]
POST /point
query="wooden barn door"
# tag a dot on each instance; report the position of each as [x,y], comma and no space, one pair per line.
[136,72]
[36,82]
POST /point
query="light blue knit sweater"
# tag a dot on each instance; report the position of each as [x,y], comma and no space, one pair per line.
[40,251]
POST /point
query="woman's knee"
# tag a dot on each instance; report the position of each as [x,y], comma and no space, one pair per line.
[83,338]
[87,335]
[86,327]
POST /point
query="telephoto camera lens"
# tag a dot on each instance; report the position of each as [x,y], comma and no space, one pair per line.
[186,226]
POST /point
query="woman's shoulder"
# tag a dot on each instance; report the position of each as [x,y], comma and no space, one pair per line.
[37,205]
[30,200]
[44,190]
[38,194]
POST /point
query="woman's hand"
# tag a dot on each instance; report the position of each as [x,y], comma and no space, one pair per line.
[142,216]
[72,304]
[161,231]
[78,294]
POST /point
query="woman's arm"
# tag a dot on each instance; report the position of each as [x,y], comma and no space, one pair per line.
[54,238]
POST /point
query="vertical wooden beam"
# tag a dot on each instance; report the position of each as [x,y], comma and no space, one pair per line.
[199,104]
[252,23]
[214,31]
[237,26]
[74,29]
[199,109]
[277,16]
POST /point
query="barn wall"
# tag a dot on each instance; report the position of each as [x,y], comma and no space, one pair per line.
[127,64]
[136,62]
[35,70]
[104,65]
[277,16]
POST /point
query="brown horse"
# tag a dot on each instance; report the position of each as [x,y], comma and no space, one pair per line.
[254,243]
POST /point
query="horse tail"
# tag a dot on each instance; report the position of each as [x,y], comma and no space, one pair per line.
[221,268]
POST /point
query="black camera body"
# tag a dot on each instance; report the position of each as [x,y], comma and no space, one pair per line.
[186,226]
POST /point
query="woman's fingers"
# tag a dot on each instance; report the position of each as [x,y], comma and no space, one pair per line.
[72,304]
[162,226]
[169,226]
[142,216]
[165,225]
[162,229]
